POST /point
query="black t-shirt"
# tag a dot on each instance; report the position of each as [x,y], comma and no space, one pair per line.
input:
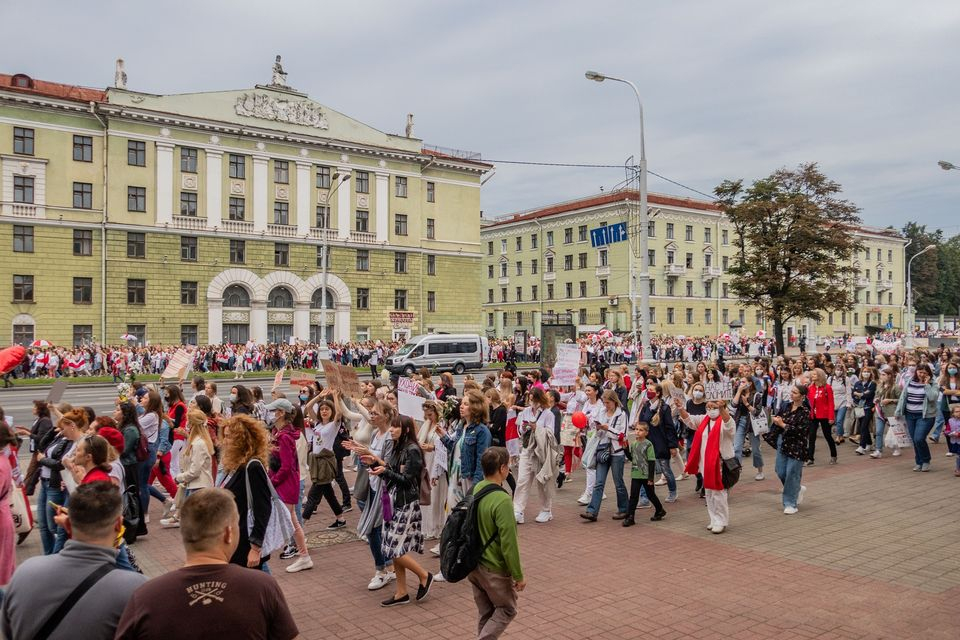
[208,601]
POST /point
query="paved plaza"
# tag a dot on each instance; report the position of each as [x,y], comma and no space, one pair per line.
[868,556]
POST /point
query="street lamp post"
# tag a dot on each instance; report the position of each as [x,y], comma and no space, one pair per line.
[929,247]
[644,276]
[324,350]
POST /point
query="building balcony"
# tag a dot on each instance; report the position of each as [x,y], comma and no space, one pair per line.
[884,285]
[711,273]
[503,280]
[861,283]
[236,226]
[549,276]
[193,223]
[282,230]
[603,270]
[365,237]
[328,235]
[20,209]
[674,270]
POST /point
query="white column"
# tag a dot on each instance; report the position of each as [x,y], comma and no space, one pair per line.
[258,321]
[343,205]
[301,321]
[341,323]
[164,201]
[383,207]
[260,191]
[214,320]
[214,180]
[303,212]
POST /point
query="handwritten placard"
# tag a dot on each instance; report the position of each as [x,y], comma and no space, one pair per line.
[567,365]
[718,391]
[409,401]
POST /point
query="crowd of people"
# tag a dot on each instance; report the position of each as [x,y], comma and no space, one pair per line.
[241,476]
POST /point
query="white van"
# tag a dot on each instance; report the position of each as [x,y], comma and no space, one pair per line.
[439,352]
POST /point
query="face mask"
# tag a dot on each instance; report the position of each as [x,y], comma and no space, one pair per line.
[303,397]
[713,414]
[233,397]
[952,371]
[651,394]
[759,372]
[698,395]
[851,371]
[141,409]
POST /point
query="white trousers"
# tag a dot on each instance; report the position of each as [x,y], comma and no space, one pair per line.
[591,482]
[175,451]
[527,476]
[717,507]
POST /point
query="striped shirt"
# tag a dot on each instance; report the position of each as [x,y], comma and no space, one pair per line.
[916,396]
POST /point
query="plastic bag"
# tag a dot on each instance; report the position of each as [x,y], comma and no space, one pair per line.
[897,431]
[590,453]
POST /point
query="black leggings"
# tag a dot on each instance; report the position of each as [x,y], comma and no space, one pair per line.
[318,491]
[865,429]
[824,425]
[342,483]
[651,490]
[512,482]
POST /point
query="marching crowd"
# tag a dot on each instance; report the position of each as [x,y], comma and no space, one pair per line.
[241,476]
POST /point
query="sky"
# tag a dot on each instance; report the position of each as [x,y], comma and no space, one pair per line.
[731,89]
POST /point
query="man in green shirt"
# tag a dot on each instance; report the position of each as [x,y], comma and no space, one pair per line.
[499,577]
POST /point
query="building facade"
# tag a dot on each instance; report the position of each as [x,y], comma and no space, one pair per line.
[204,218]
[541,264]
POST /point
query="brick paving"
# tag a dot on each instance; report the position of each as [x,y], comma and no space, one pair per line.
[867,557]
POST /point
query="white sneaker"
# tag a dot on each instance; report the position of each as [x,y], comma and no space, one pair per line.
[896,451]
[438,577]
[660,481]
[710,526]
[146,519]
[759,476]
[583,500]
[300,564]
[379,581]
[169,506]
[518,517]
[544,516]
[790,510]
[860,451]
[876,454]
[803,490]
[169,523]
[436,551]
[717,528]
[949,454]
[684,476]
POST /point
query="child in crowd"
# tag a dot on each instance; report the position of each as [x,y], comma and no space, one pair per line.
[952,432]
[642,471]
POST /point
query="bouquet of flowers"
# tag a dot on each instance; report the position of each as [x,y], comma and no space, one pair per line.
[125,389]
[451,410]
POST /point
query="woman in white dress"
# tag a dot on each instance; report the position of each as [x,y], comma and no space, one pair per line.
[435,461]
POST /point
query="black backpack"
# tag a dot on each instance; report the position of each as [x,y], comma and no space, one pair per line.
[460,547]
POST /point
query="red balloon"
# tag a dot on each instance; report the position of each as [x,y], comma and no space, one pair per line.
[11,357]
[579,419]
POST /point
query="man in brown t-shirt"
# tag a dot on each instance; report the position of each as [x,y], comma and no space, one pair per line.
[208,597]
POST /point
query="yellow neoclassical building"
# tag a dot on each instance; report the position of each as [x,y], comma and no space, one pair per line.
[542,264]
[204,217]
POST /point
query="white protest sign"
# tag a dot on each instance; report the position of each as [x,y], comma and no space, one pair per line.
[885,348]
[718,390]
[409,401]
[567,365]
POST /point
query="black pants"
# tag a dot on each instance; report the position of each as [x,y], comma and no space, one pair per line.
[865,428]
[373,371]
[512,482]
[342,483]
[318,492]
[651,490]
[824,425]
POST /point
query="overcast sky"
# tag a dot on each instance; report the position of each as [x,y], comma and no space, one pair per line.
[731,89]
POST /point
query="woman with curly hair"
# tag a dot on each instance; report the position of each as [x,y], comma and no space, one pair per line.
[245,451]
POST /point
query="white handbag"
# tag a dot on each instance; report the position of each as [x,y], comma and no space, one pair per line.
[279,527]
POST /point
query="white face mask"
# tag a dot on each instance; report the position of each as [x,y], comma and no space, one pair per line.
[713,414]
[698,395]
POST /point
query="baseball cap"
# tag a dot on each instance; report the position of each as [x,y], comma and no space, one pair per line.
[280,403]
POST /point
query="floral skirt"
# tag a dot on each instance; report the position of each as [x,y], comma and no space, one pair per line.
[403,534]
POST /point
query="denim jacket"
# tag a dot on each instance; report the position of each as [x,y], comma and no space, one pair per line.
[476,440]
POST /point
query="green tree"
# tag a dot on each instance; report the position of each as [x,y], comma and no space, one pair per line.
[925,273]
[795,243]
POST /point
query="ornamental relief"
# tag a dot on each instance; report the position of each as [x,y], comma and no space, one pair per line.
[282,192]
[363,200]
[188,181]
[267,107]
[279,317]
[238,187]
[236,316]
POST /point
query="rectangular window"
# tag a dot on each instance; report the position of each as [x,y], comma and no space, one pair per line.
[742,315]
[431,301]
[868,297]
[363,220]
[400,224]
[519,318]
[238,167]
[363,260]
[431,265]
[568,235]
[503,246]
[689,315]
[188,160]
[237,209]
[670,287]
[82,242]
[188,292]
[23,189]
[830,318]
[602,258]
[490,248]
[281,254]
[567,263]
[568,289]
[503,294]
[362,179]
[281,213]
[431,192]
[725,262]
[189,248]
[534,265]
[489,319]
[549,264]
[688,261]
[400,184]
[708,259]
[653,314]
[726,290]
[489,296]
[519,267]
[22,239]
[519,294]
[136,245]
[534,292]
[603,287]
[503,269]
[323,217]
[889,255]
[707,235]
[400,299]
[759,317]
[188,334]
[549,238]
[83,291]
[669,231]
[136,153]
[23,334]
[238,251]
[724,237]
[400,262]
[582,261]
[582,233]
[23,141]
[188,204]
[726,316]
[653,287]
[651,258]
[136,199]
[856,319]
[652,229]
[670,318]
[363,298]
[139,331]
[707,289]
[583,289]
[320,251]
[534,239]
[82,195]
[136,291]
[550,292]
[582,316]
[82,334]
[83,148]
[281,172]
[708,316]
[670,257]
[689,289]
[431,228]
[688,233]
[519,241]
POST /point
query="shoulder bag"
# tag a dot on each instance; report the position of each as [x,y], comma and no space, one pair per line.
[279,527]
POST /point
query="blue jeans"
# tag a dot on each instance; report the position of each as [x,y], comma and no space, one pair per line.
[123,558]
[663,466]
[938,424]
[841,414]
[45,513]
[616,464]
[880,426]
[375,540]
[918,427]
[743,426]
[143,472]
[790,472]
[61,535]
[299,507]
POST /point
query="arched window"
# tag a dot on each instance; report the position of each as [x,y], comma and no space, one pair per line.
[280,298]
[236,296]
[316,301]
